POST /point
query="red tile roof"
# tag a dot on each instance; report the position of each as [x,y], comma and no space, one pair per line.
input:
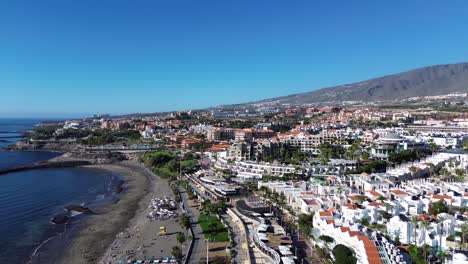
[326,214]
[311,201]
[293,133]
[376,204]
[350,206]
[374,193]
[219,147]
[399,192]
[372,252]
[441,196]
[345,229]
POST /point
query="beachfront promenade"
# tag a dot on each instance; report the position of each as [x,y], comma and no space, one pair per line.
[198,237]
[239,236]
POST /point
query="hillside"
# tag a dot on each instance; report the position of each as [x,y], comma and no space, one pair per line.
[426,81]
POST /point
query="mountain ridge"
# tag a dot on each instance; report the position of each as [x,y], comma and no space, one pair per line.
[431,80]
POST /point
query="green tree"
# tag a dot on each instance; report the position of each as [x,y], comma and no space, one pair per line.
[344,255]
[365,221]
[361,199]
[438,207]
[325,153]
[181,237]
[433,147]
[425,226]
[425,248]
[184,221]
[305,223]
[177,253]
[354,149]
[463,233]
[326,239]
[365,155]
[415,255]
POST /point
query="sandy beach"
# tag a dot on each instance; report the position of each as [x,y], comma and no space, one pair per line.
[123,229]
[140,239]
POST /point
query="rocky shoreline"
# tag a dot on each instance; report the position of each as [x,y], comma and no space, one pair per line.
[45,145]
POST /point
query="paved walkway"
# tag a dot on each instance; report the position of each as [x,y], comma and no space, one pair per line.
[241,245]
[197,231]
[257,256]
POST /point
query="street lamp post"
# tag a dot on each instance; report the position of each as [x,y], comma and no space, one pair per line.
[207,251]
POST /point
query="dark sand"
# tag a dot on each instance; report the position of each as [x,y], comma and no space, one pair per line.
[100,230]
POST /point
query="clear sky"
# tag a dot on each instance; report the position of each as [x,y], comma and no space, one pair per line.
[70,57]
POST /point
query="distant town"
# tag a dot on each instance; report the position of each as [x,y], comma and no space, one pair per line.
[269,183]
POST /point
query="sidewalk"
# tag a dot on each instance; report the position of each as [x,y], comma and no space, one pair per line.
[197,231]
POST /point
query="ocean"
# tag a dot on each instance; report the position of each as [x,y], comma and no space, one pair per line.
[29,199]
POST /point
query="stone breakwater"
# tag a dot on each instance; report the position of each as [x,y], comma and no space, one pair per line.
[47,165]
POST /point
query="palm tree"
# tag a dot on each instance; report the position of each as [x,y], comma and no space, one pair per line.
[441,221]
[282,200]
[464,232]
[274,197]
[442,255]
[415,220]
[360,199]
[388,207]
[425,225]
[426,248]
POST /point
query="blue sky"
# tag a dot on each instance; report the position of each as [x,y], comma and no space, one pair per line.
[67,57]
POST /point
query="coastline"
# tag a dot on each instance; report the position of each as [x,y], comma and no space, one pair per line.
[140,239]
[60,237]
[99,230]
[117,227]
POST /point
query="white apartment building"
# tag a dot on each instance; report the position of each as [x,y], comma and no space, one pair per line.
[364,246]
[310,142]
[250,169]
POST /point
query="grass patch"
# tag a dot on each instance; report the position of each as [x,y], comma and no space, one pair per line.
[212,228]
